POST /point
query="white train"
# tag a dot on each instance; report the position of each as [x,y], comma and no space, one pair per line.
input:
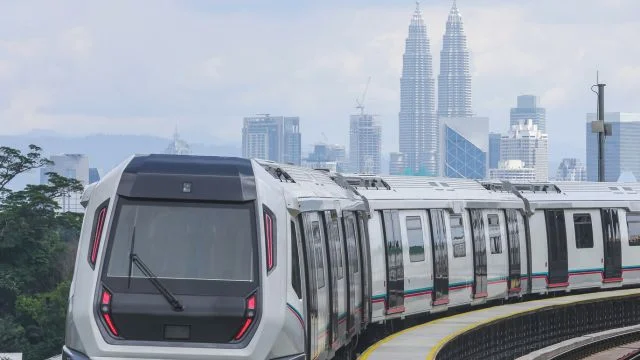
[189,257]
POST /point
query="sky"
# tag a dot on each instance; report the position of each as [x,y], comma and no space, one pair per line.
[142,67]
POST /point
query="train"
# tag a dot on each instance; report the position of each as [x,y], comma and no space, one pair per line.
[209,257]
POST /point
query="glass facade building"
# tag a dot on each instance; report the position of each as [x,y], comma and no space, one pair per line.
[620,149]
[464,147]
[418,124]
[275,138]
[494,150]
[528,109]
[454,80]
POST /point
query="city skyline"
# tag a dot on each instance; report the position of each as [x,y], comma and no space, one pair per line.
[207,83]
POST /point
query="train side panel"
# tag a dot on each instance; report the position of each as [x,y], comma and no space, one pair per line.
[418,283]
[585,248]
[630,247]
[497,254]
[461,259]
[378,268]
[539,264]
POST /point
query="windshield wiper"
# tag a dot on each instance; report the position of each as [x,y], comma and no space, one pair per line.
[177,306]
[134,258]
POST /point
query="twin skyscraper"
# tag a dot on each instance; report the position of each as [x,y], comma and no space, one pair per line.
[420,115]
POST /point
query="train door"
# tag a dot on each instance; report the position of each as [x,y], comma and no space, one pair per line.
[336,277]
[418,267]
[612,246]
[318,294]
[513,242]
[479,254]
[440,257]
[365,273]
[353,270]
[557,248]
[395,265]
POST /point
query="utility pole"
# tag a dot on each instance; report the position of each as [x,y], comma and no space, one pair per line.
[601,128]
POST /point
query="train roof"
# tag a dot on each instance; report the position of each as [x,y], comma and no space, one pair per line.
[307,183]
[569,194]
[411,188]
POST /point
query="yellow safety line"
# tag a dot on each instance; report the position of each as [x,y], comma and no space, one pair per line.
[373,347]
[434,350]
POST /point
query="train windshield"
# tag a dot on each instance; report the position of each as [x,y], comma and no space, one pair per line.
[176,240]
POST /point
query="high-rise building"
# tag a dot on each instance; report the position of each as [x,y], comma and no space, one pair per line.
[494,149]
[365,144]
[620,149]
[396,163]
[528,109]
[464,147]
[571,169]
[73,166]
[292,152]
[327,156]
[178,146]
[275,138]
[418,125]
[529,145]
[512,170]
[454,80]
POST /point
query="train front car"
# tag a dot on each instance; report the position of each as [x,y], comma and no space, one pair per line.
[177,260]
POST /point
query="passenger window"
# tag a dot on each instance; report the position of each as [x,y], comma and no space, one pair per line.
[296,281]
[317,245]
[356,266]
[351,238]
[633,223]
[494,234]
[415,238]
[457,236]
[584,230]
[334,242]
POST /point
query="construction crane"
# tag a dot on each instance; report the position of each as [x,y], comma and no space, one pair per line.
[364,94]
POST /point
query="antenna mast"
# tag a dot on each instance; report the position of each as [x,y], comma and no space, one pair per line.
[600,127]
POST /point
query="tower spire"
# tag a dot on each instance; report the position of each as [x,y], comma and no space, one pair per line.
[418,128]
[454,81]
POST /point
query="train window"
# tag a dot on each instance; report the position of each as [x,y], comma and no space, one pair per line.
[415,238]
[317,247]
[351,238]
[495,239]
[584,230]
[334,242]
[296,282]
[457,236]
[633,223]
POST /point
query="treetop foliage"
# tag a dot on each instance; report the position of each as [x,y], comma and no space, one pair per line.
[37,255]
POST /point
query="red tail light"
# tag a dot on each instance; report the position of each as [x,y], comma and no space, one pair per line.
[249,315]
[105,310]
[269,235]
[93,255]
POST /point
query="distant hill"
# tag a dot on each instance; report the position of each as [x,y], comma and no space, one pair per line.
[104,151]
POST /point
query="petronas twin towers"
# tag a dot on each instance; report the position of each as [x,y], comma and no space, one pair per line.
[419,118]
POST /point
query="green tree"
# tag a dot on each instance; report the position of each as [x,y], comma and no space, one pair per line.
[13,163]
[36,243]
